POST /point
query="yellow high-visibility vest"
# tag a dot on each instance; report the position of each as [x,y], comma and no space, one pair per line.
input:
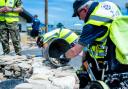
[103,15]
[63,33]
[119,36]
[9,17]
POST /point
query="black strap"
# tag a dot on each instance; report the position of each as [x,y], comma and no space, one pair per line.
[59,32]
[14,3]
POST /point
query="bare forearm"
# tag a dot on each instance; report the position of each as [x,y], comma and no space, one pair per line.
[74,51]
[2,9]
[18,9]
[10,9]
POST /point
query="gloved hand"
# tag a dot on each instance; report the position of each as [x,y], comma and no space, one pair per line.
[63,59]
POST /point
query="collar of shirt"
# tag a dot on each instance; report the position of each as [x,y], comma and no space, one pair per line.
[91,9]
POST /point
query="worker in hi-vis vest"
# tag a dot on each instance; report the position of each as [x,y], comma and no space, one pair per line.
[70,36]
[9,16]
[97,17]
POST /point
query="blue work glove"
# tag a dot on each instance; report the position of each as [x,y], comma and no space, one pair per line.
[63,59]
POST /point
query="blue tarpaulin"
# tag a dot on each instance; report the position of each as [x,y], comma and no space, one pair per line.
[11,83]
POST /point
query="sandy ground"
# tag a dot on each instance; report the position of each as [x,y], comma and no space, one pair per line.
[28,45]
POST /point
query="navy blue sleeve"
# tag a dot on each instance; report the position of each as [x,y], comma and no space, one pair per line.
[90,33]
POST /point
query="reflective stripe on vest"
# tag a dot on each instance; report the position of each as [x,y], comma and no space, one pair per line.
[48,36]
[6,15]
[46,39]
[9,17]
[102,16]
[66,34]
[103,19]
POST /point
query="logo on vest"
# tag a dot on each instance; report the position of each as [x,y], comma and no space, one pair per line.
[106,7]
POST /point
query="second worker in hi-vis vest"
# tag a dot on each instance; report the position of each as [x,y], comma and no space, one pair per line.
[66,34]
[9,16]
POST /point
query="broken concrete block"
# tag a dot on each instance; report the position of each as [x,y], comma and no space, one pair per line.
[2,77]
[8,73]
[16,66]
[17,73]
[48,77]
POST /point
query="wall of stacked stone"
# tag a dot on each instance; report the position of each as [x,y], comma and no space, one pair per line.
[15,67]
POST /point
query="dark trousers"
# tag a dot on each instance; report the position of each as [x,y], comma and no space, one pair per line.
[34,33]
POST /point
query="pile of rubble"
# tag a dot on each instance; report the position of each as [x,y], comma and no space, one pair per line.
[45,76]
[15,67]
[35,73]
